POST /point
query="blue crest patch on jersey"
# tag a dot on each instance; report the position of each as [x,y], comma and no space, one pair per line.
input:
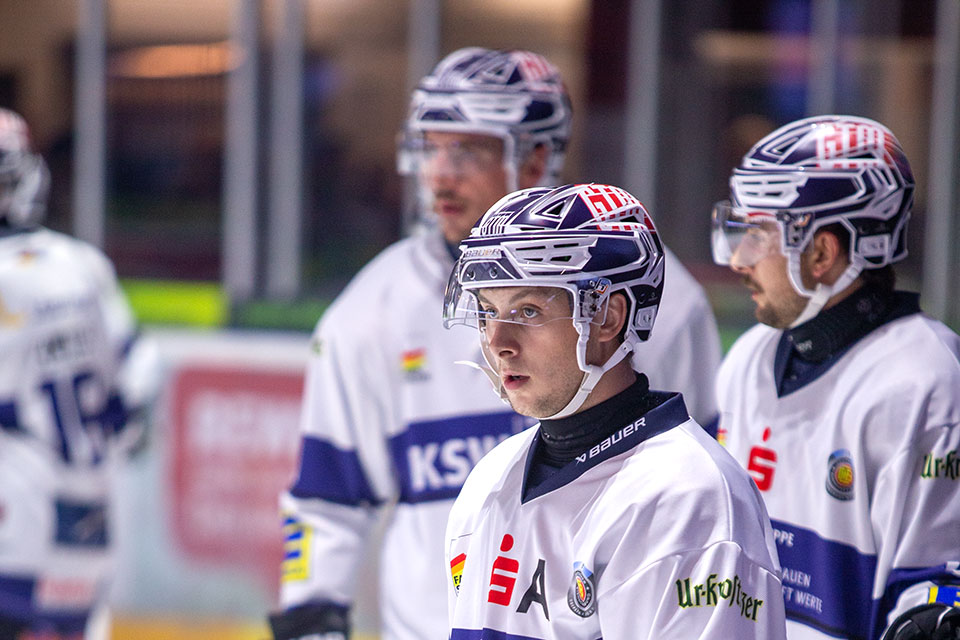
[840,475]
[581,594]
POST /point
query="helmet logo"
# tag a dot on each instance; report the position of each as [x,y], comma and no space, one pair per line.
[483,252]
[606,202]
[843,140]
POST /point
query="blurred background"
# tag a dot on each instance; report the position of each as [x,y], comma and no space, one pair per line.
[236,160]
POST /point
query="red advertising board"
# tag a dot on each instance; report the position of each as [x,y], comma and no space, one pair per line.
[235,445]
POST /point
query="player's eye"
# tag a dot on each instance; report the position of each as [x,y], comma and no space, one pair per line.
[529,313]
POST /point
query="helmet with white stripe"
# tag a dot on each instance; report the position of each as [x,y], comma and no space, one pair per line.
[517,96]
[592,240]
[815,172]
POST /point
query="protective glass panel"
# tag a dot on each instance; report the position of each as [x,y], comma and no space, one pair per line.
[450,154]
[479,307]
[742,238]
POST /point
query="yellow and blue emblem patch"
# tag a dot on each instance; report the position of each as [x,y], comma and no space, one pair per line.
[296,551]
[944,595]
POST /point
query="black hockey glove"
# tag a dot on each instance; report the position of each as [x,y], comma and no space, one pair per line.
[313,621]
[926,622]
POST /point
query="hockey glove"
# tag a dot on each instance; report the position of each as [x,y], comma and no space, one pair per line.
[313,621]
[926,622]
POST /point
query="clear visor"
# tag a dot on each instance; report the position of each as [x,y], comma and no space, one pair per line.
[428,158]
[742,238]
[481,306]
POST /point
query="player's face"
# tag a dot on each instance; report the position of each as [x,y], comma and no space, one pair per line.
[778,303]
[535,352]
[465,174]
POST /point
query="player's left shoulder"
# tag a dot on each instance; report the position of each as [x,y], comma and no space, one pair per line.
[915,351]
[82,255]
[688,493]
[683,465]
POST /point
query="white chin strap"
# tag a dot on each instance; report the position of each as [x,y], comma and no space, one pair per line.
[592,372]
[823,292]
[591,376]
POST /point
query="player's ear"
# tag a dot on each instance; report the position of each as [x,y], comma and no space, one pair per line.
[825,258]
[531,171]
[615,318]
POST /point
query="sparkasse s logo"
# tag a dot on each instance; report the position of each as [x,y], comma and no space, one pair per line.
[762,463]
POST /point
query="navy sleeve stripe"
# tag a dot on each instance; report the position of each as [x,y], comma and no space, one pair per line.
[826,584]
[8,417]
[333,474]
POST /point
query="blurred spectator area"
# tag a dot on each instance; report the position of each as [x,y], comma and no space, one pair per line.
[729,71]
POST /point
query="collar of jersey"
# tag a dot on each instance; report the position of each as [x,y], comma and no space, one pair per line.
[669,412]
[806,352]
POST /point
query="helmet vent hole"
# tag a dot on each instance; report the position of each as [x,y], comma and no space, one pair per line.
[554,212]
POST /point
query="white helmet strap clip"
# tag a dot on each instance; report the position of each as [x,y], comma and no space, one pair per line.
[819,296]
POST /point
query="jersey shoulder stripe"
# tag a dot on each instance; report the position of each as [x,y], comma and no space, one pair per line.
[333,474]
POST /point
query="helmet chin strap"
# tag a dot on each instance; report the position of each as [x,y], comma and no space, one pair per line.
[592,372]
[818,297]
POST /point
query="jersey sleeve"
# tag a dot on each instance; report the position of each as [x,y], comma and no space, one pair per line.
[915,513]
[717,592]
[344,470]
[137,381]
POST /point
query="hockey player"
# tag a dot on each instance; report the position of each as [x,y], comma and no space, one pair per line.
[387,415]
[72,373]
[843,403]
[616,516]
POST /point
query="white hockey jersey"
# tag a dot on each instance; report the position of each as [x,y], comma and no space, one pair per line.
[65,335]
[388,417]
[859,470]
[653,533]
[683,353]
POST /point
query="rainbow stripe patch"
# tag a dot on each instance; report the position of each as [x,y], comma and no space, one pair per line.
[456,570]
[414,359]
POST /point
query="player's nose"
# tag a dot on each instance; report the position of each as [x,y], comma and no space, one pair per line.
[502,338]
[738,265]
